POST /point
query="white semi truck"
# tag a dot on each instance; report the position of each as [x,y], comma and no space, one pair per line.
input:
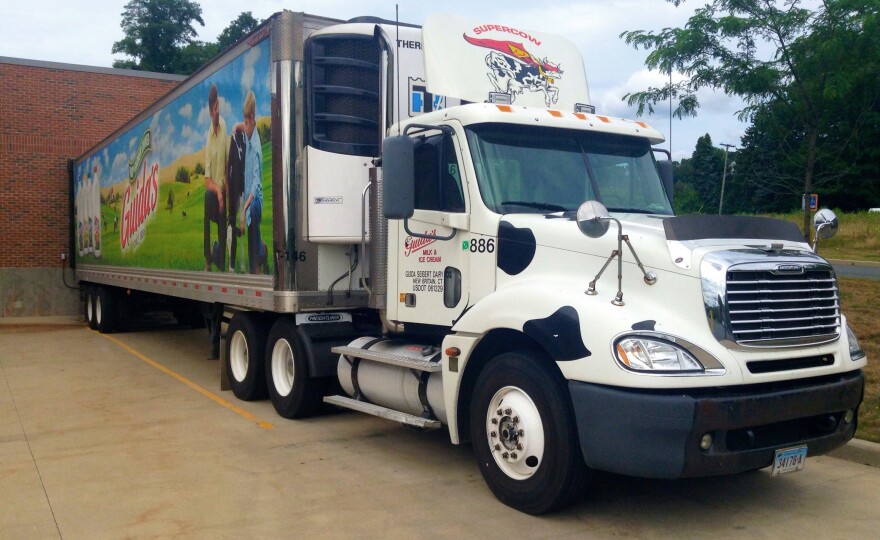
[434,226]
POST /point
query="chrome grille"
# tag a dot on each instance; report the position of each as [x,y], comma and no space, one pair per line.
[765,306]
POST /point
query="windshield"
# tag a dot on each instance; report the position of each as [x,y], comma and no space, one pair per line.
[523,169]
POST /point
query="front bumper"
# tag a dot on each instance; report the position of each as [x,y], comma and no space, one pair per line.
[657,435]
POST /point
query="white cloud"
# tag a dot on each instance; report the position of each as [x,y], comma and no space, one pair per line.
[204,118]
[247,73]
[225,107]
[119,169]
[186,111]
[105,157]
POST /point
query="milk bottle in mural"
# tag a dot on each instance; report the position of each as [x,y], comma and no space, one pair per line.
[79,211]
[96,210]
[87,204]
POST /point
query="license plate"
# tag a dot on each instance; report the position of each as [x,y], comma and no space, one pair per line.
[789,460]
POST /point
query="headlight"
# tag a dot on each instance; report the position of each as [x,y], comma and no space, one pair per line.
[855,351]
[654,355]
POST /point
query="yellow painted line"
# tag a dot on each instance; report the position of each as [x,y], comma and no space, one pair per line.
[201,390]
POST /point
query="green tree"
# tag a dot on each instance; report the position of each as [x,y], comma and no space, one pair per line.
[160,35]
[155,32]
[182,175]
[815,62]
[708,163]
[687,200]
[194,55]
[243,25]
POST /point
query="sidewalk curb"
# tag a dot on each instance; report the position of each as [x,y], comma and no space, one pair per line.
[859,451]
[61,320]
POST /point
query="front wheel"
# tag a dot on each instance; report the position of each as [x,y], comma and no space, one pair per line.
[524,434]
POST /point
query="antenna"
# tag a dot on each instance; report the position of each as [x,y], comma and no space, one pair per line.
[397,61]
[670,113]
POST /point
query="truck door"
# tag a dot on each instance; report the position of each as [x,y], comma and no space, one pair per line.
[432,269]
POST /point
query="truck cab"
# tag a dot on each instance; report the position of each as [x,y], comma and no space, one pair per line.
[718,347]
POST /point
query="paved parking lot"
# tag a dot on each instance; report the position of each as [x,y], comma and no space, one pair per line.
[128,436]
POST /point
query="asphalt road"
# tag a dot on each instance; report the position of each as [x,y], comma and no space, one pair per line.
[856,269]
[129,436]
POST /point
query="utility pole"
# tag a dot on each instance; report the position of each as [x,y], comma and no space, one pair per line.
[727,148]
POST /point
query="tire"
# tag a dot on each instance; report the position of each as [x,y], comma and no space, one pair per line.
[245,339]
[89,310]
[105,310]
[293,393]
[524,434]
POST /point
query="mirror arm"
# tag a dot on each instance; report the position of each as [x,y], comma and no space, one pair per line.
[591,290]
[649,277]
[426,127]
[816,238]
[429,236]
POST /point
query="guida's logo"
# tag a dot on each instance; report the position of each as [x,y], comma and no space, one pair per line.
[413,244]
[141,195]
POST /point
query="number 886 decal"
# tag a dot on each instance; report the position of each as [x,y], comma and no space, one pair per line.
[479,245]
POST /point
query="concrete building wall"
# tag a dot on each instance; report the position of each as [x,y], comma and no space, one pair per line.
[49,114]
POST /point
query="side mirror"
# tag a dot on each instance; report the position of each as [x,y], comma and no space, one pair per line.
[825,223]
[398,177]
[665,168]
[592,219]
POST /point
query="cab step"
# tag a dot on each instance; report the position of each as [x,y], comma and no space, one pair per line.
[389,358]
[382,412]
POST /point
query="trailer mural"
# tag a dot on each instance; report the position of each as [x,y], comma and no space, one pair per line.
[189,187]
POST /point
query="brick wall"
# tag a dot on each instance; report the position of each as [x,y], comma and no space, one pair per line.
[50,113]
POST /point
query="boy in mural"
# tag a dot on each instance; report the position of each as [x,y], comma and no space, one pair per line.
[252,211]
[215,183]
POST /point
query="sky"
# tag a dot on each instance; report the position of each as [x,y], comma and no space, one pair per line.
[83,32]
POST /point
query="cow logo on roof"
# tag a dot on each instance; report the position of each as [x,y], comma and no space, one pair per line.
[513,69]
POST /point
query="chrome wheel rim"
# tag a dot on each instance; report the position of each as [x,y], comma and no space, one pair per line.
[515,433]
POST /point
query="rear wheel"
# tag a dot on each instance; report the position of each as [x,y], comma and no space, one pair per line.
[90,307]
[293,393]
[245,339]
[524,434]
[105,310]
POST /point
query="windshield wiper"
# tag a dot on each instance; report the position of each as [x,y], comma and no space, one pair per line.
[539,205]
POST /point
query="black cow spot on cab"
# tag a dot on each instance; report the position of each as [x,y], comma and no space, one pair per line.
[516,248]
[644,325]
[560,334]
